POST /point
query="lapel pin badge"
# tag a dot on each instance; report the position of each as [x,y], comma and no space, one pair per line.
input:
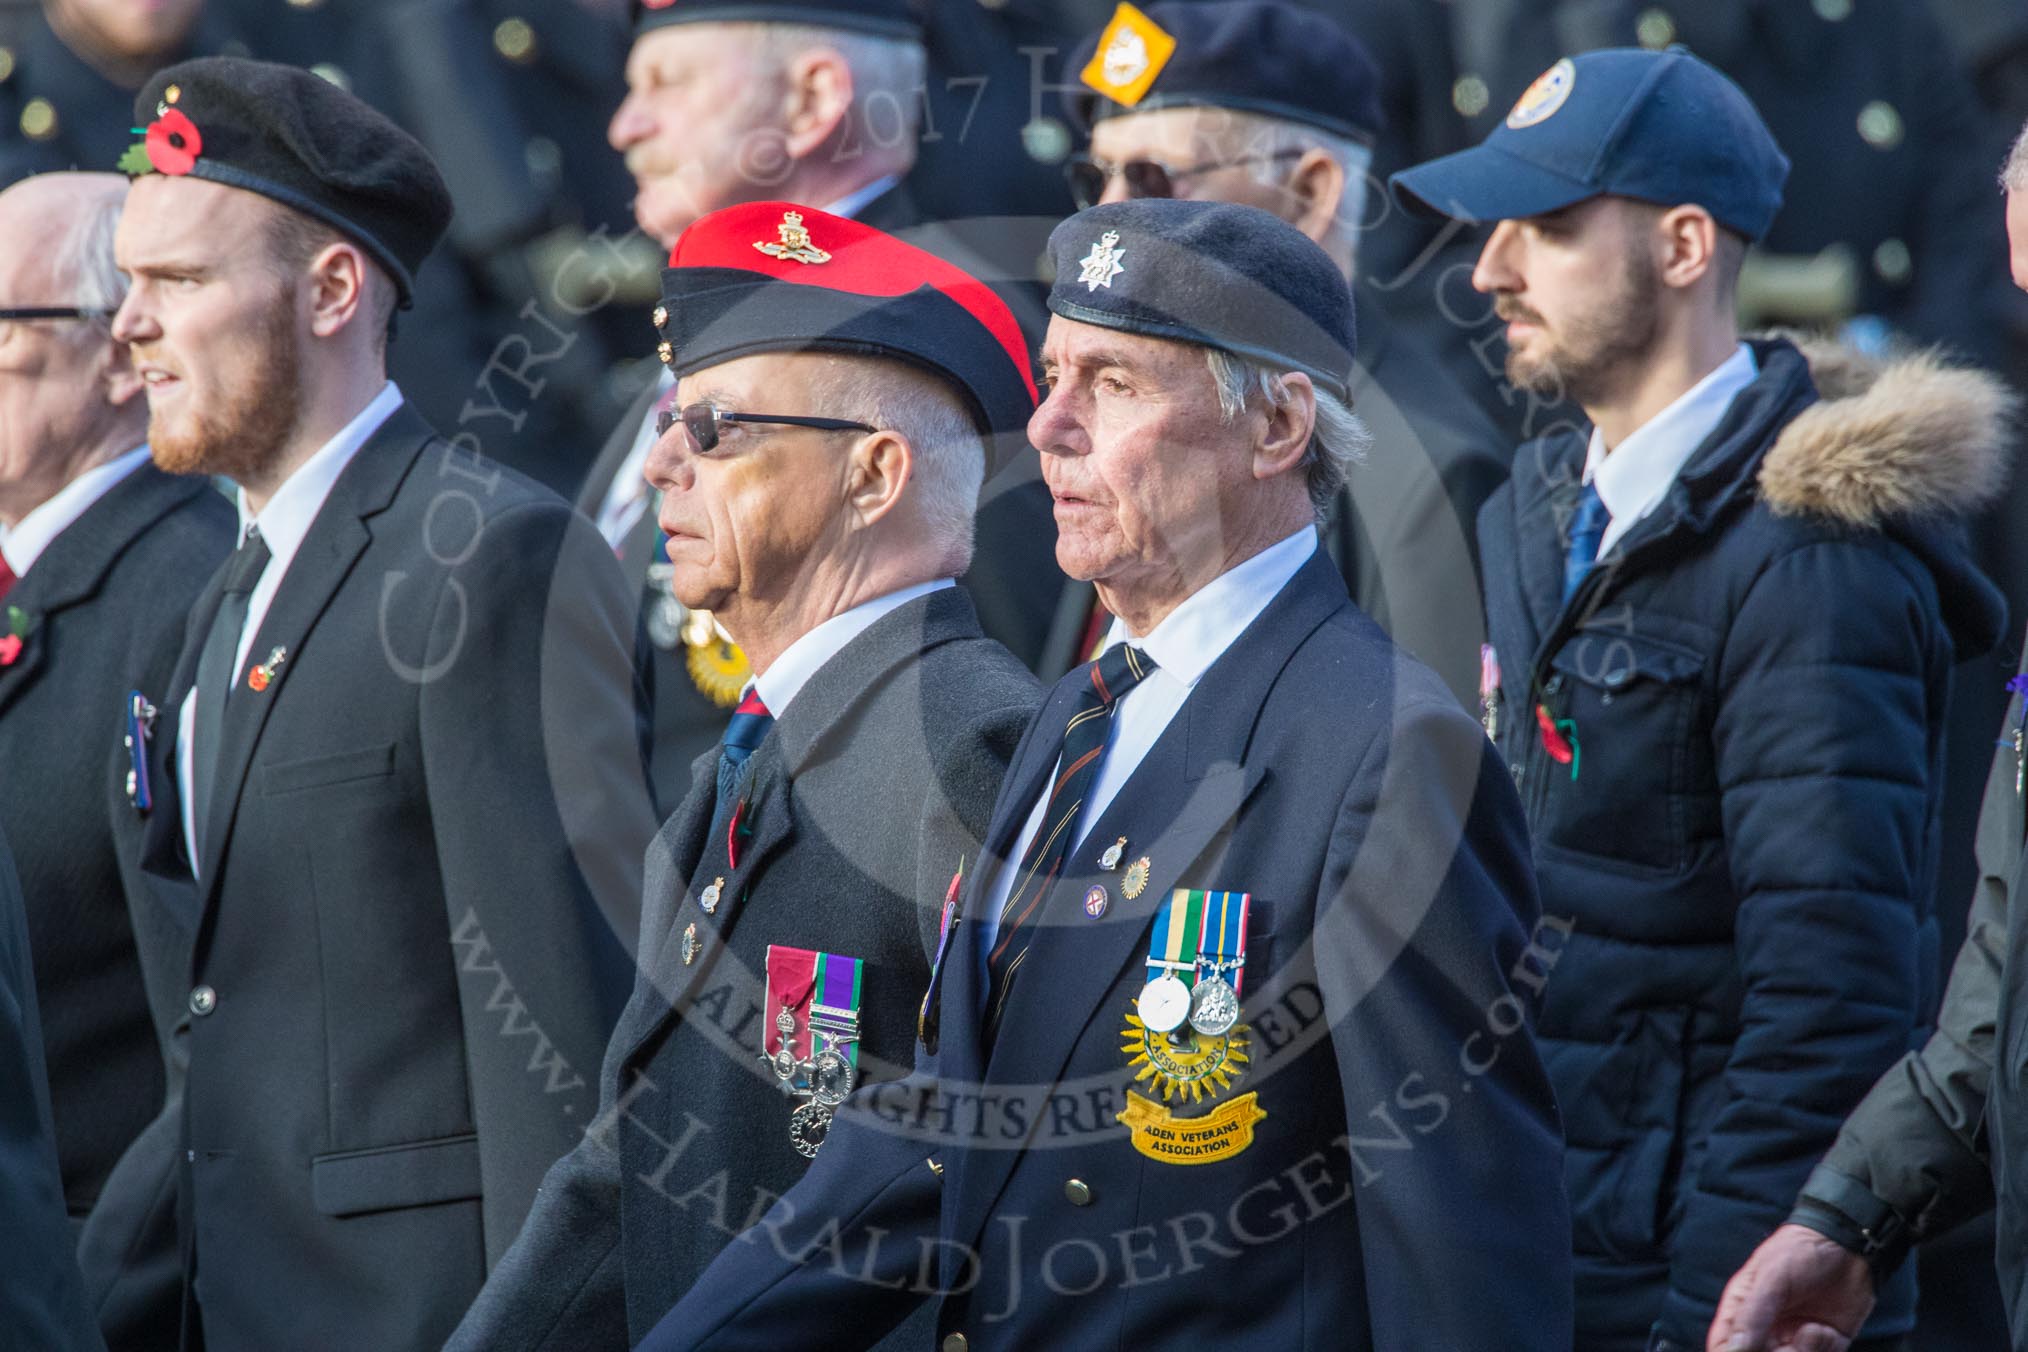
[1136,880]
[263,676]
[708,898]
[1096,901]
[1110,860]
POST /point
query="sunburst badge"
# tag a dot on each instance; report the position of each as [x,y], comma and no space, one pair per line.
[719,670]
[1193,1067]
[1102,264]
[794,244]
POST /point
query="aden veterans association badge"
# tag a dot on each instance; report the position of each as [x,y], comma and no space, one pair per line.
[1187,1067]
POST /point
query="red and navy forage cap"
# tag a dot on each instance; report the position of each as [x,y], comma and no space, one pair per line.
[776,277]
[295,138]
[1211,273]
[881,18]
[1252,56]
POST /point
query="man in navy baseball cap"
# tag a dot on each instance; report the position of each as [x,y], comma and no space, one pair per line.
[1723,608]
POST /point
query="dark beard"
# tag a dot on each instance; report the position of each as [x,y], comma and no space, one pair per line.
[1595,352]
[261,407]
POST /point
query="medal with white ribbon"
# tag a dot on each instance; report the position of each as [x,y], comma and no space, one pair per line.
[1164,1003]
[1221,963]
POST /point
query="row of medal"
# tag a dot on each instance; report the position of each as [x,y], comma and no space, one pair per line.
[1196,961]
[816,1057]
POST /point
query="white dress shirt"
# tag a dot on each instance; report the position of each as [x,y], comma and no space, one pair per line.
[1633,477]
[23,542]
[628,494]
[788,674]
[1184,645]
[283,523]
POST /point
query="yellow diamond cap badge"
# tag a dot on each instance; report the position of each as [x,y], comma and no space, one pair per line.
[1131,53]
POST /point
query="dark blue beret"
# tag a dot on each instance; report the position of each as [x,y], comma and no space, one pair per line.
[881,18]
[298,139]
[1660,127]
[1231,277]
[1256,56]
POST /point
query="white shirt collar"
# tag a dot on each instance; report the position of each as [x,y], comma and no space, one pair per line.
[852,203]
[290,512]
[24,542]
[788,674]
[1633,479]
[1196,633]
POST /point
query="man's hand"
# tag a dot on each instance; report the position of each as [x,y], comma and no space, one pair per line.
[1800,1292]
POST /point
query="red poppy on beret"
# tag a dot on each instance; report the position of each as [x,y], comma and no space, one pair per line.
[174,143]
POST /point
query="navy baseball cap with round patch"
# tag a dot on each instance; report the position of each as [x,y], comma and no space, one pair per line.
[1660,127]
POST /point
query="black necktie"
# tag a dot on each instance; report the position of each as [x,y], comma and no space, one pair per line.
[215,672]
[1085,736]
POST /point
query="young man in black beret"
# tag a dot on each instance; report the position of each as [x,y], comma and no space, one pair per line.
[1226,1046]
[398,804]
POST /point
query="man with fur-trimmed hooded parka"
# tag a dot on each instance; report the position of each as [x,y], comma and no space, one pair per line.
[1722,631]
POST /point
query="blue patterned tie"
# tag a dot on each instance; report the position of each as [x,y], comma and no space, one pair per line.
[1587,528]
[743,735]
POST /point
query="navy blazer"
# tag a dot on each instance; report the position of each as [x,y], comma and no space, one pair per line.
[1403,1188]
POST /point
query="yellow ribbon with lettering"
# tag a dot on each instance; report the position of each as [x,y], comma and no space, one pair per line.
[1218,1135]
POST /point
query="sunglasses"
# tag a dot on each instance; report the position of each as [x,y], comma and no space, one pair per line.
[1089,177]
[51,312]
[702,421]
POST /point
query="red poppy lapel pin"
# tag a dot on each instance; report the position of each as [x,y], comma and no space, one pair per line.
[168,145]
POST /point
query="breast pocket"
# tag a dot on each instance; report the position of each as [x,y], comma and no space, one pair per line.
[340,767]
[1632,702]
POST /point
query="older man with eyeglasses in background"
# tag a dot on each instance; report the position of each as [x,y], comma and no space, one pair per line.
[101,556]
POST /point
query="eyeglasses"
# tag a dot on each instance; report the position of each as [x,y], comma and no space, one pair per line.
[701,421]
[51,312]
[1149,178]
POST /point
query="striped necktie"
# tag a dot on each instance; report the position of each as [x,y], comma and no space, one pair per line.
[1106,683]
[743,735]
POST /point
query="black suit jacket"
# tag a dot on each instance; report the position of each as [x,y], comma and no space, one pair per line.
[104,609]
[874,783]
[42,1303]
[405,932]
[1402,1190]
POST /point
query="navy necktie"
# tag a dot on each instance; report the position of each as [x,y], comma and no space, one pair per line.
[743,736]
[1085,736]
[1587,528]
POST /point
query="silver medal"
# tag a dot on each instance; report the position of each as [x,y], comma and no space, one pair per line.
[784,1061]
[831,1077]
[807,1128]
[1164,1003]
[1214,1007]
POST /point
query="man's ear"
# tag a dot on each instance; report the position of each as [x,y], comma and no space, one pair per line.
[1286,438]
[1686,245]
[882,465]
[1315,189]
[819,100]
[337,287]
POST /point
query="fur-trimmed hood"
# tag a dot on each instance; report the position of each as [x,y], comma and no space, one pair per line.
[1908,436]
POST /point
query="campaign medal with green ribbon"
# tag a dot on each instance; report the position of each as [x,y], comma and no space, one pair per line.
[1221,961]
[1164,1003]
[816,1058]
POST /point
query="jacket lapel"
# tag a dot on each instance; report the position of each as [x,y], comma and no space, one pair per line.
[1174,809]
[337,538]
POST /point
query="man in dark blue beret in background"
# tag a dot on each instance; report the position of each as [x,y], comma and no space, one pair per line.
[400,806]
[1226,1044]
[1274,106]
[1724,624]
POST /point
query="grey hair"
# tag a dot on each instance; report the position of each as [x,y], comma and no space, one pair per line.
[1273,136]
[2014,173]
[1337,442]
[949,453]
[84,261]
[888,78]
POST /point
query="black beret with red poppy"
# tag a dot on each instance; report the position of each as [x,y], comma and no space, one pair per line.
[296,138]
[776,277]
[882,18]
